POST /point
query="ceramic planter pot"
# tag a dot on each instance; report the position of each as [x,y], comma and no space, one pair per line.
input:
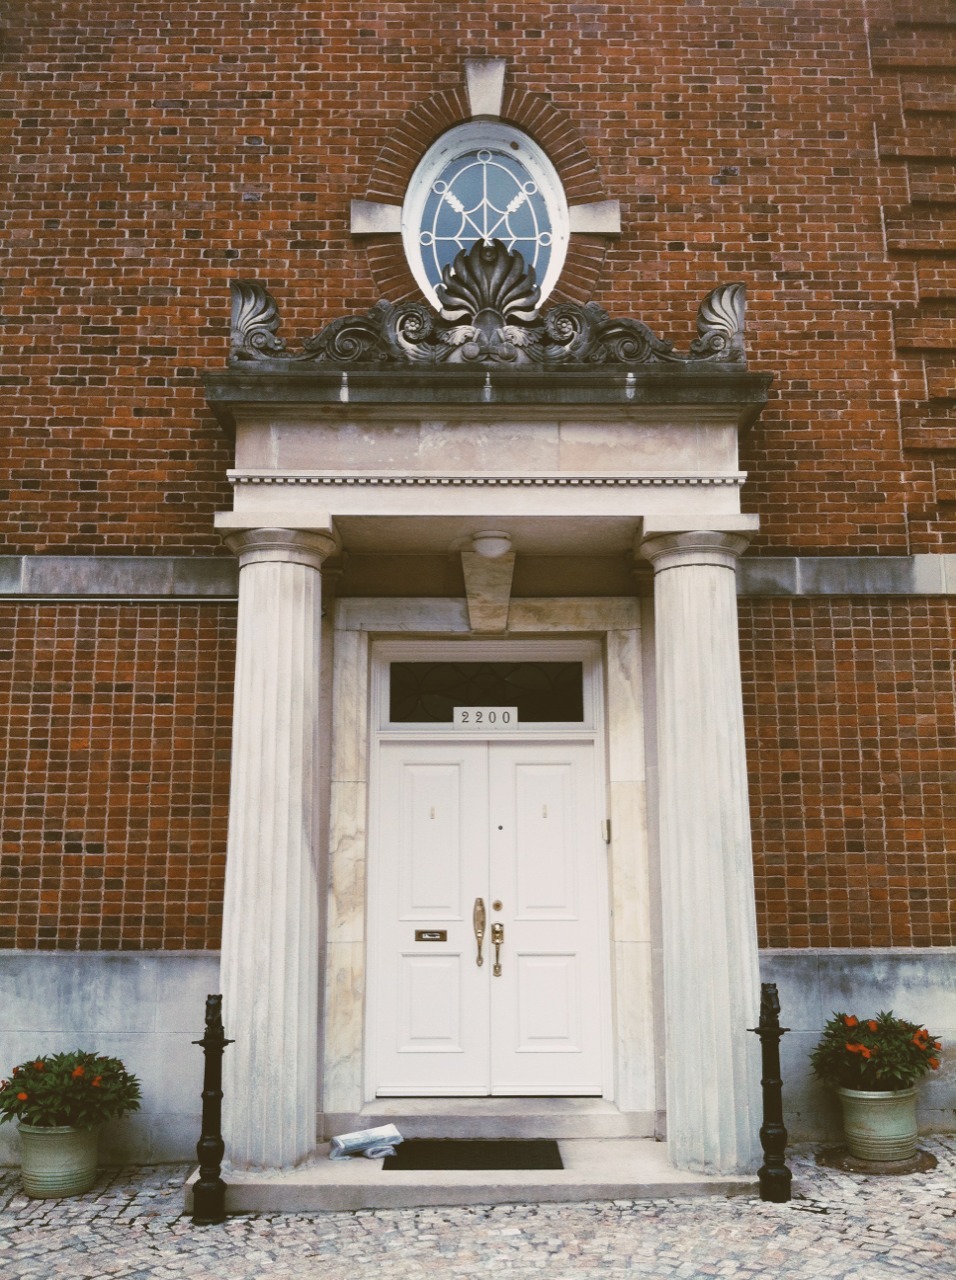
[57,1161]
[880,1126]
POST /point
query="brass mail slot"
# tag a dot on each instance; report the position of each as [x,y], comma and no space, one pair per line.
[431,935]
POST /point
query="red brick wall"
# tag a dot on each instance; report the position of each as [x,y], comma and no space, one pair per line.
[151,152]
[851,726]
[115,774]
[114,777]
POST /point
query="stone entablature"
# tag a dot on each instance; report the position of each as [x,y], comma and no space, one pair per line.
[426,422]
[297,464]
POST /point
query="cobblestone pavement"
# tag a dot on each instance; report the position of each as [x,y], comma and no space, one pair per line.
[838,1226]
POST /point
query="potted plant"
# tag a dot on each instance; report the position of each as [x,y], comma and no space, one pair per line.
[874,1064]
[60,1102]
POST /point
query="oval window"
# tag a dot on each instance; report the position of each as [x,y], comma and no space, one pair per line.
[484,181]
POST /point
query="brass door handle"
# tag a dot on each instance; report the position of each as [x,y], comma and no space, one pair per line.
[478,921]
[497,938]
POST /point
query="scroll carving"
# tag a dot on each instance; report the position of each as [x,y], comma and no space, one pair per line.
[720,325]
[489,317]
[255,322]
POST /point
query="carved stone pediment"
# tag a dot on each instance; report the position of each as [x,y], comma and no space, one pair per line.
[489,318]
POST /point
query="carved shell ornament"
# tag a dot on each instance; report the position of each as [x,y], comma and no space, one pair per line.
[489,317]
[489,277]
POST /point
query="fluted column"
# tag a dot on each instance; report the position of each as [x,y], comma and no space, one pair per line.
[711,976]
[270,915]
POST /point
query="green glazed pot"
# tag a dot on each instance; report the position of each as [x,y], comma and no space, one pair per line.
[880,1126]
[57,1161]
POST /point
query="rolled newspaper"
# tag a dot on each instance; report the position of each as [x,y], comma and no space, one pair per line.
[373,1143]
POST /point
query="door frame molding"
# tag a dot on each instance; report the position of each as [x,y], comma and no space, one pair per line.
[634,997]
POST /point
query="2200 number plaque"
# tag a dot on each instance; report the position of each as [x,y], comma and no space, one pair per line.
[486,717]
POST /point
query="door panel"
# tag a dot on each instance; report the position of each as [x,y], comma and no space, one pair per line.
[430,849]
[544,848]
[430,844]
[547,1029]
[430,999]
[548,1003]
[509,822]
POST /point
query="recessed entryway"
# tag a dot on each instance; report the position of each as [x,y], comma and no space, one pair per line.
[589,654]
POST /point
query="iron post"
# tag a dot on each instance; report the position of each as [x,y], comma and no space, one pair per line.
[209,1193]
[774,1175]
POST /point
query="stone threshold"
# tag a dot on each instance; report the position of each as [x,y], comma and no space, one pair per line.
[505,1117]
[595,1169]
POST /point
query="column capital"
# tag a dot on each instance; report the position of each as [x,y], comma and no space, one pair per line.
[718,548]
[283,546]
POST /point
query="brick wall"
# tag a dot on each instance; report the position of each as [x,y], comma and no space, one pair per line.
[114,776]
[851,727]
[156,151]
[149,153]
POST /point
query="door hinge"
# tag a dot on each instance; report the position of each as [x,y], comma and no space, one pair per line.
[606,830]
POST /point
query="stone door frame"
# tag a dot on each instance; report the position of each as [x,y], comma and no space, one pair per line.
[635,994]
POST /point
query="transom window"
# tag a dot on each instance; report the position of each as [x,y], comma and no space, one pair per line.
[542,692]
[484,181]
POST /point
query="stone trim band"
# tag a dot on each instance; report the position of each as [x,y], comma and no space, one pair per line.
[214,579]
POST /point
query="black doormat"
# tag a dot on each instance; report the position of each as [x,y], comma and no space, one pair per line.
[455,1153]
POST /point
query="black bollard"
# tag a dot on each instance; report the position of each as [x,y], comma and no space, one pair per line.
[209,1193]
[774,1175]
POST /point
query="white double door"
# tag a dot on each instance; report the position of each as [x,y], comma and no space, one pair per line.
[508,831]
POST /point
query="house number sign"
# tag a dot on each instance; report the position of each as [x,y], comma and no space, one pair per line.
[486,717]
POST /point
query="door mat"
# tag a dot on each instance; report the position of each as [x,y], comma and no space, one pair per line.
[455,1153]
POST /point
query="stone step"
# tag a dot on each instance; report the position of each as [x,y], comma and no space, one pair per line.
[494,1118]
[594,1169]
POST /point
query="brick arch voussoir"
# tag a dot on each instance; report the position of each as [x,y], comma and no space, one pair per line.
[415,133]
[537,116]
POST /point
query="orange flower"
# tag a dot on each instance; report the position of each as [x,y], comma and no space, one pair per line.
[96,1082]
[850,1021]
[920,1039]
[38,1064]
[872,1024]
[933,1064]
[867,1053]
[854,1048]
[22,1097]
[77,1072]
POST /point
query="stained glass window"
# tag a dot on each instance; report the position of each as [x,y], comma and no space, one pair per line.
[543,692]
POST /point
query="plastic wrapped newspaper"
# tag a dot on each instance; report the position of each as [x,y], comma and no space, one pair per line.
[373,1143]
